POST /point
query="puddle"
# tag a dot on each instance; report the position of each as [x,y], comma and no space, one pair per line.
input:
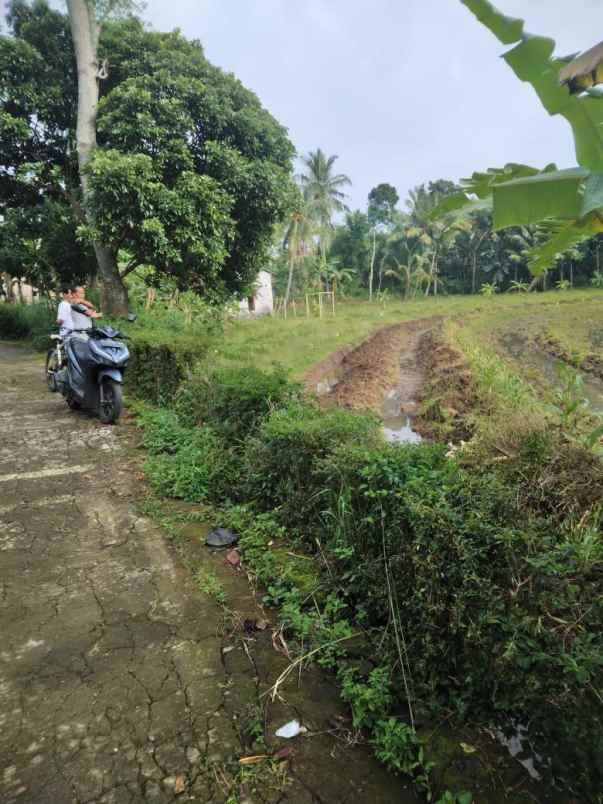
[399,431]
[517,748]
[397,428]
[520,348]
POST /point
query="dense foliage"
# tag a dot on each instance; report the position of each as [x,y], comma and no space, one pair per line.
[495,595]
[190,175]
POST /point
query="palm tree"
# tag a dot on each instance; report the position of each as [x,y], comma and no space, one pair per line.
[297,242]
[323,194]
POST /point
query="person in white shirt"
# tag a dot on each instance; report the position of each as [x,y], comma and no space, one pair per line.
[64,317]
[83,320]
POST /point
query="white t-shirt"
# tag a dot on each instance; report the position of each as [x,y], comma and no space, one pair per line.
[80,321]
[64,315]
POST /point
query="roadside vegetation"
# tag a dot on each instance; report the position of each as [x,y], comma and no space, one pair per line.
[460,588]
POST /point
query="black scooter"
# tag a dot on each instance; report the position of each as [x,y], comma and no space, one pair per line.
[93,376]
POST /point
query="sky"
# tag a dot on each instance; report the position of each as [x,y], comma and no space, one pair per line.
[403,91]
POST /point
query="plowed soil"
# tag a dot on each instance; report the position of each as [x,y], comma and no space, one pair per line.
[389,359]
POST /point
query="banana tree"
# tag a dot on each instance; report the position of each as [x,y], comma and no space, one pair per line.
[569,201]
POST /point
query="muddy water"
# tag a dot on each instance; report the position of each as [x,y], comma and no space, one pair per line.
[397,427]
[528,354]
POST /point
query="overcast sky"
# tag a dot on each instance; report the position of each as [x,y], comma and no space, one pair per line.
[403,91]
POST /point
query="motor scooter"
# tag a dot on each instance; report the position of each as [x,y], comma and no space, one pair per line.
[93,377]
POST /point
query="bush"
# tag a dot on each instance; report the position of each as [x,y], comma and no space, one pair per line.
[157,367]
[163,432]
[234,400]
[197,468]
[284,459]
[500,614]
[13,322]
[27,321]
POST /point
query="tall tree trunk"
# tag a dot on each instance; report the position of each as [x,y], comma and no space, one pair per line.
[372,265]
[85,32]
[289,282]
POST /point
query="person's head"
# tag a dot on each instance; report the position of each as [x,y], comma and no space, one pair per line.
[80,292]
[67,294]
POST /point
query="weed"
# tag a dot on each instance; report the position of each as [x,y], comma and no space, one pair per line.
[399,748]
[209,584]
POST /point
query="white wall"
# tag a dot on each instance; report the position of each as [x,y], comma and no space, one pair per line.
[264,302]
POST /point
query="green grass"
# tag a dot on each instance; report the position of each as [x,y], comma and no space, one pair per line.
[299,343]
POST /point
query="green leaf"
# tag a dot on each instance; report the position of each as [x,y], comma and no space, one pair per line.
[481,184]
[555,194]
[593,194]
[506,29]
[532,61]
[563,236]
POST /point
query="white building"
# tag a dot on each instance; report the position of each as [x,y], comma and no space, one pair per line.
[261,303]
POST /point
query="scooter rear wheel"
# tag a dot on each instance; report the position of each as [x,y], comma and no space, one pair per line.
[111,402]
[52,366]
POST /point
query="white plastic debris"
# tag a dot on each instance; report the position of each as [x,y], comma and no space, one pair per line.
[291,729]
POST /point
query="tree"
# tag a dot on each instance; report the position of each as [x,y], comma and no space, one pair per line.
[190,173]
[438,235]
[86,17]
[297,243]
[323,193]
[351,244]
[382,202]
[521,194]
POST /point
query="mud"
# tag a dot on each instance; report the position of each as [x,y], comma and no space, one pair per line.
[447,397]
[591,363]
[539,361]
[119,680]
[362,377]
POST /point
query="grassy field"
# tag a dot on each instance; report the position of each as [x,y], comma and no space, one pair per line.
[299,343]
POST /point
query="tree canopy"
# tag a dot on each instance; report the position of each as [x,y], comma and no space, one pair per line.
[191,172]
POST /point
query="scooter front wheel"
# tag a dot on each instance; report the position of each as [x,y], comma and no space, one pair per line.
[73,403]
[111,401]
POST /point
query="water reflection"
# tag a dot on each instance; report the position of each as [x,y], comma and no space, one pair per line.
[399,431]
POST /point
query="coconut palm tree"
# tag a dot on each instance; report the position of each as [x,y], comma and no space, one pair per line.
[297,243]
[323,194]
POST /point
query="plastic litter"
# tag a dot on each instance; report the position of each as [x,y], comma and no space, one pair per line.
[221,537]
[291,729]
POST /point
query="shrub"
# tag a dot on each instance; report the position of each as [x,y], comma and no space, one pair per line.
[163,432]
[500,614]
[284,459]
[202,469]
[21,321]
[13,322]
[158,367]
[235,400]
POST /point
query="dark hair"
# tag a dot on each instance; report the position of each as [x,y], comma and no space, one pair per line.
[66,290]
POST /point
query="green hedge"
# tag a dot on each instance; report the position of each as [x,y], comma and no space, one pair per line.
[157,368]
[283,461]
[234,400]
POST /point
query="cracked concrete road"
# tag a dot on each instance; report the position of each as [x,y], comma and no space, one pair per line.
[118,680]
